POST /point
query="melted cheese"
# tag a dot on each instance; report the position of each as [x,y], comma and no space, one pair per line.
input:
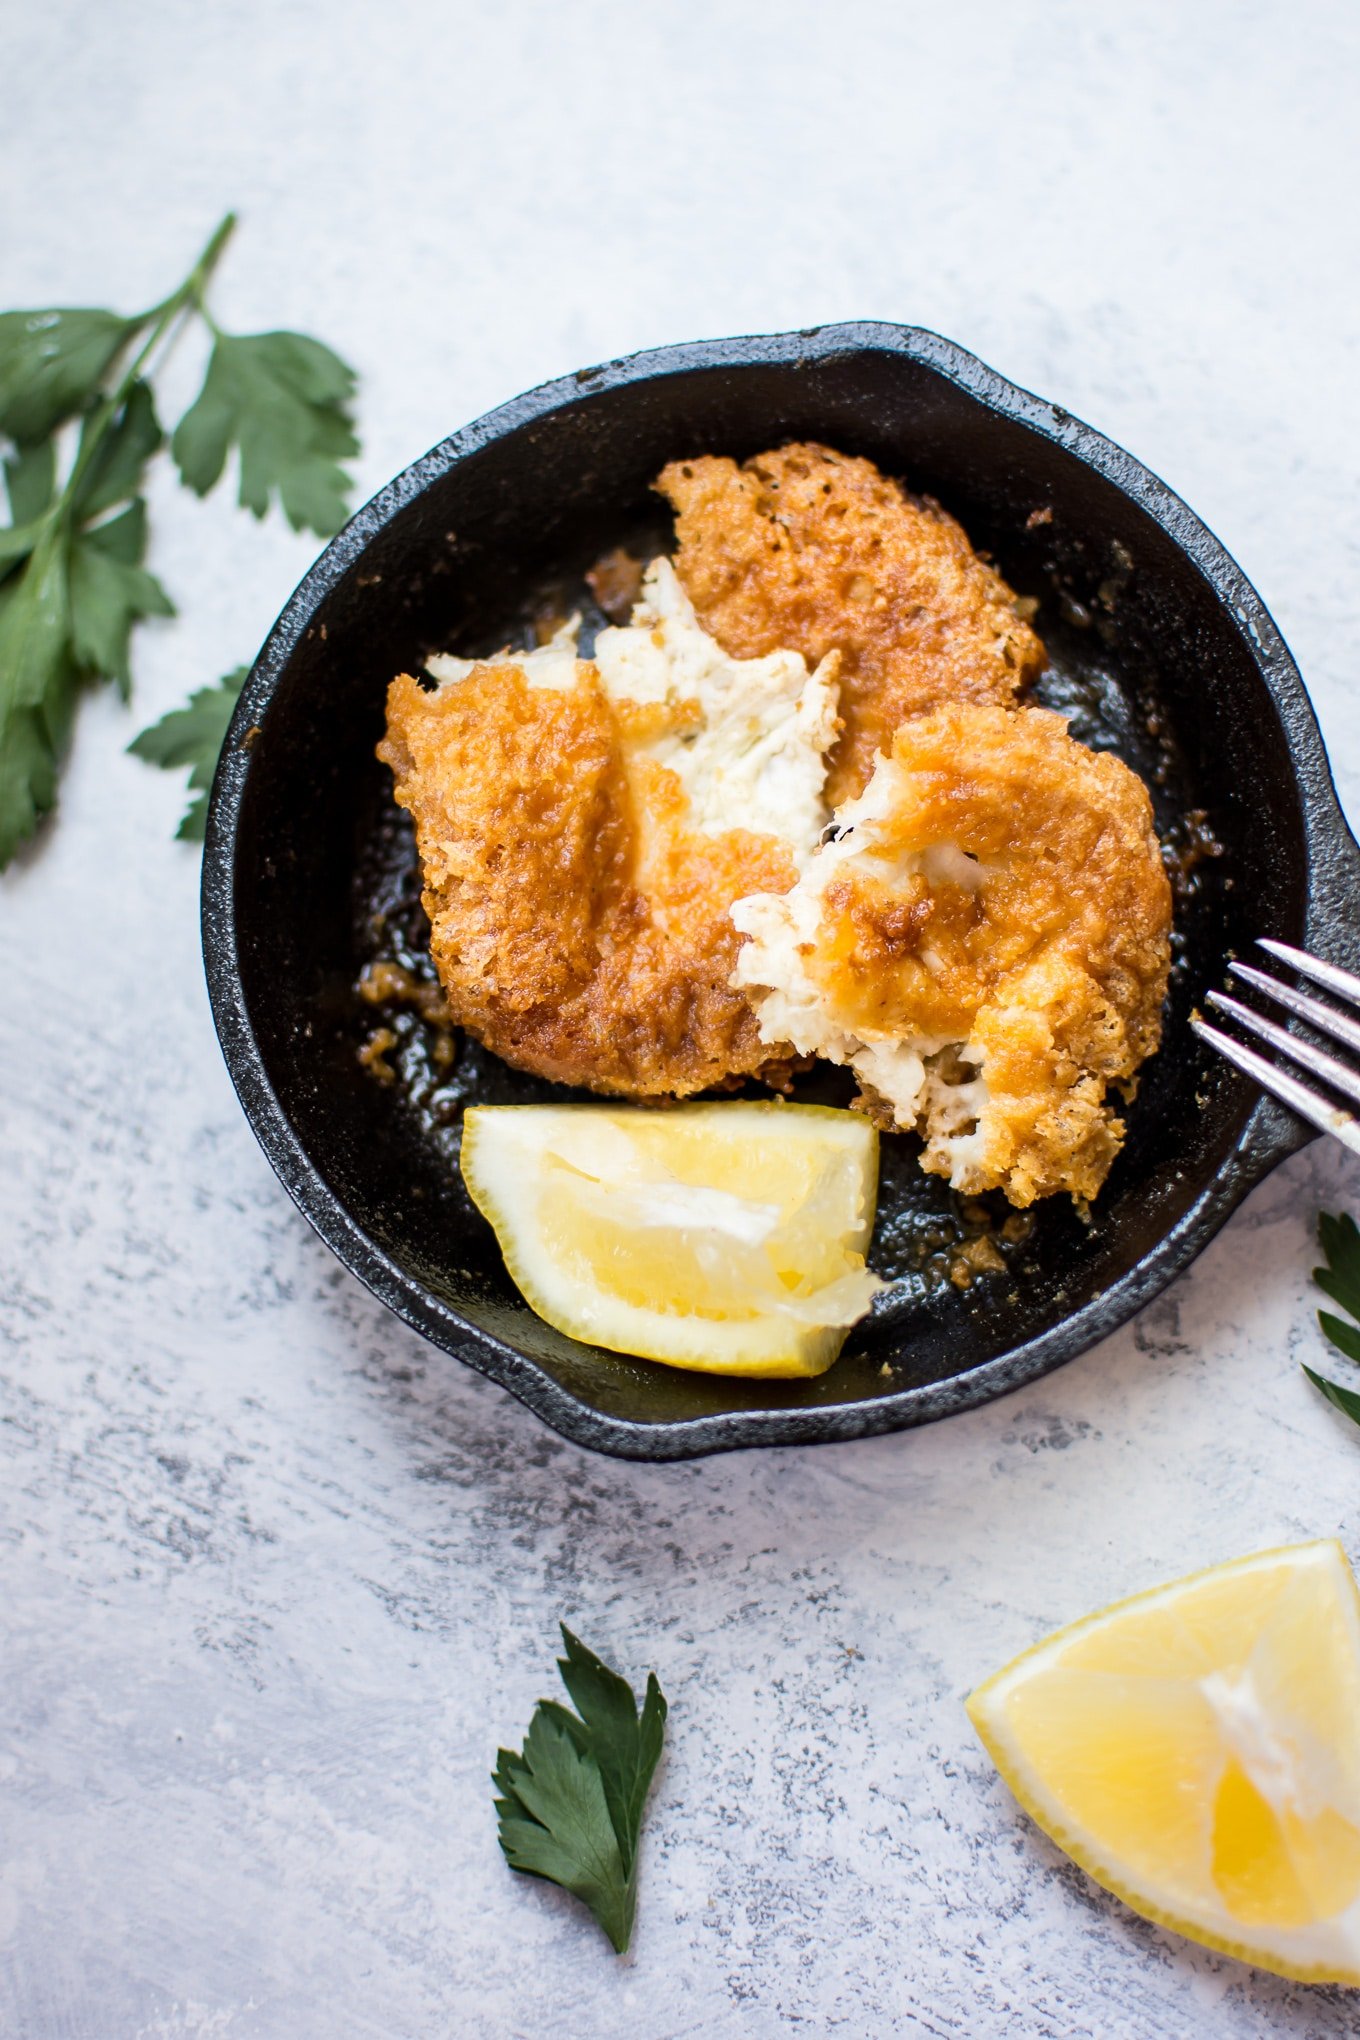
[746,738]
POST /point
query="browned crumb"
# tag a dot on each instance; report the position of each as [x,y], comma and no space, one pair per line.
[385,983]
[973,1257]
[580,930]
[615,581]
[1191,842]
[813,550]
[373,1054]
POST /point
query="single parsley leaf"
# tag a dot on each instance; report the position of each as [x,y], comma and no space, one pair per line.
[575,1767]
[1340,1279]
[626,1746]
[65,616]
[110,591]
[1343,1336]
[37,691]
[51,364]
[70,593]
[554,1823]
[30,480]
[280,399]
[116,469]
[34,627]
[193,736]
[1345,1399]
[17,542]
[28,778]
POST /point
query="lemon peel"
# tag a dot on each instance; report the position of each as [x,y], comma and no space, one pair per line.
[1196,1751]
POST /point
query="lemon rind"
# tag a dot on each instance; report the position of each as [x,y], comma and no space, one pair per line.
[1333,1944]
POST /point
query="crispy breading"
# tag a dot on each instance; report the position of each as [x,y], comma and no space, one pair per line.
[985,942]
[580,928]
[814,550]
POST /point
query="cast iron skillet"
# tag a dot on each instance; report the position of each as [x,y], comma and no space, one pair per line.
[1161,650]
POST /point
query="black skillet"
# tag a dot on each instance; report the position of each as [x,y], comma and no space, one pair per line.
[1161,650]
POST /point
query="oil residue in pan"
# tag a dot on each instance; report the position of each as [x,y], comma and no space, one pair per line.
[929,1242]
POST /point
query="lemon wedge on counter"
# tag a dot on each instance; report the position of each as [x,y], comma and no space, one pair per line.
[1197,1751]
[728,1238]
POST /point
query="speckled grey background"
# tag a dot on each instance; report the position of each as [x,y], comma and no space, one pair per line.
[276,1576]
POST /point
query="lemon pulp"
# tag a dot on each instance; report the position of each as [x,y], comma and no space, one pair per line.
[728,1238]
[1197,1751]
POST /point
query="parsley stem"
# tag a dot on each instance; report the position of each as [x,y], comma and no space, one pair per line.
[188,298]
[209,259]
[195,283]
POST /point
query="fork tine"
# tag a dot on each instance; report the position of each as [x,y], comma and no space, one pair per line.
[1292,1046]
[1325,1018]
[1343,982]
[1333,1119]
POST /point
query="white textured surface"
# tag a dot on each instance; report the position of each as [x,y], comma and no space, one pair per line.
[276,1576]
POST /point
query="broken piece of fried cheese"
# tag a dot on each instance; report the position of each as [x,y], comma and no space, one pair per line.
[584,827]
[813,550]
[985,942]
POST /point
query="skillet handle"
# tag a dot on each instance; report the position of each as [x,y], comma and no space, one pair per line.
[1332,929]
[1273,1134]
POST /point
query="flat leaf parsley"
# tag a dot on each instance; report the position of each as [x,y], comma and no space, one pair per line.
[570,1802]
[193,736]
[1340,1280]
[78,413]
[280,400]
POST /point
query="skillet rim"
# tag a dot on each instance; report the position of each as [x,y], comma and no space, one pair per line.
[1268,1136]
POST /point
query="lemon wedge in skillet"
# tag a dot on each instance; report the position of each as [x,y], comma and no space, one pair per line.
[727,1238]
[1197,1750]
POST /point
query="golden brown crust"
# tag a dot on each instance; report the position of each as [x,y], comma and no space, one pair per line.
[579,929]
[1001,887]
[1068,865]
[1055,965]
[814,550]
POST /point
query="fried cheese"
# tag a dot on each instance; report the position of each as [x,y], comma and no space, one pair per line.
[812,550]
[584,827]
[985,942]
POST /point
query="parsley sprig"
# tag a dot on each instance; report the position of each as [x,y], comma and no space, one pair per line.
[78,411]
[1340,1279]
[571,1802]
[193,736]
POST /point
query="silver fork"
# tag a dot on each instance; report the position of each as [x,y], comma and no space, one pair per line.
[1308,1103]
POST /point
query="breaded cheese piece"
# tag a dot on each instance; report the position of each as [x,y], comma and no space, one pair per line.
[985,941]
[813,550]
[754,756]
[584,827]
